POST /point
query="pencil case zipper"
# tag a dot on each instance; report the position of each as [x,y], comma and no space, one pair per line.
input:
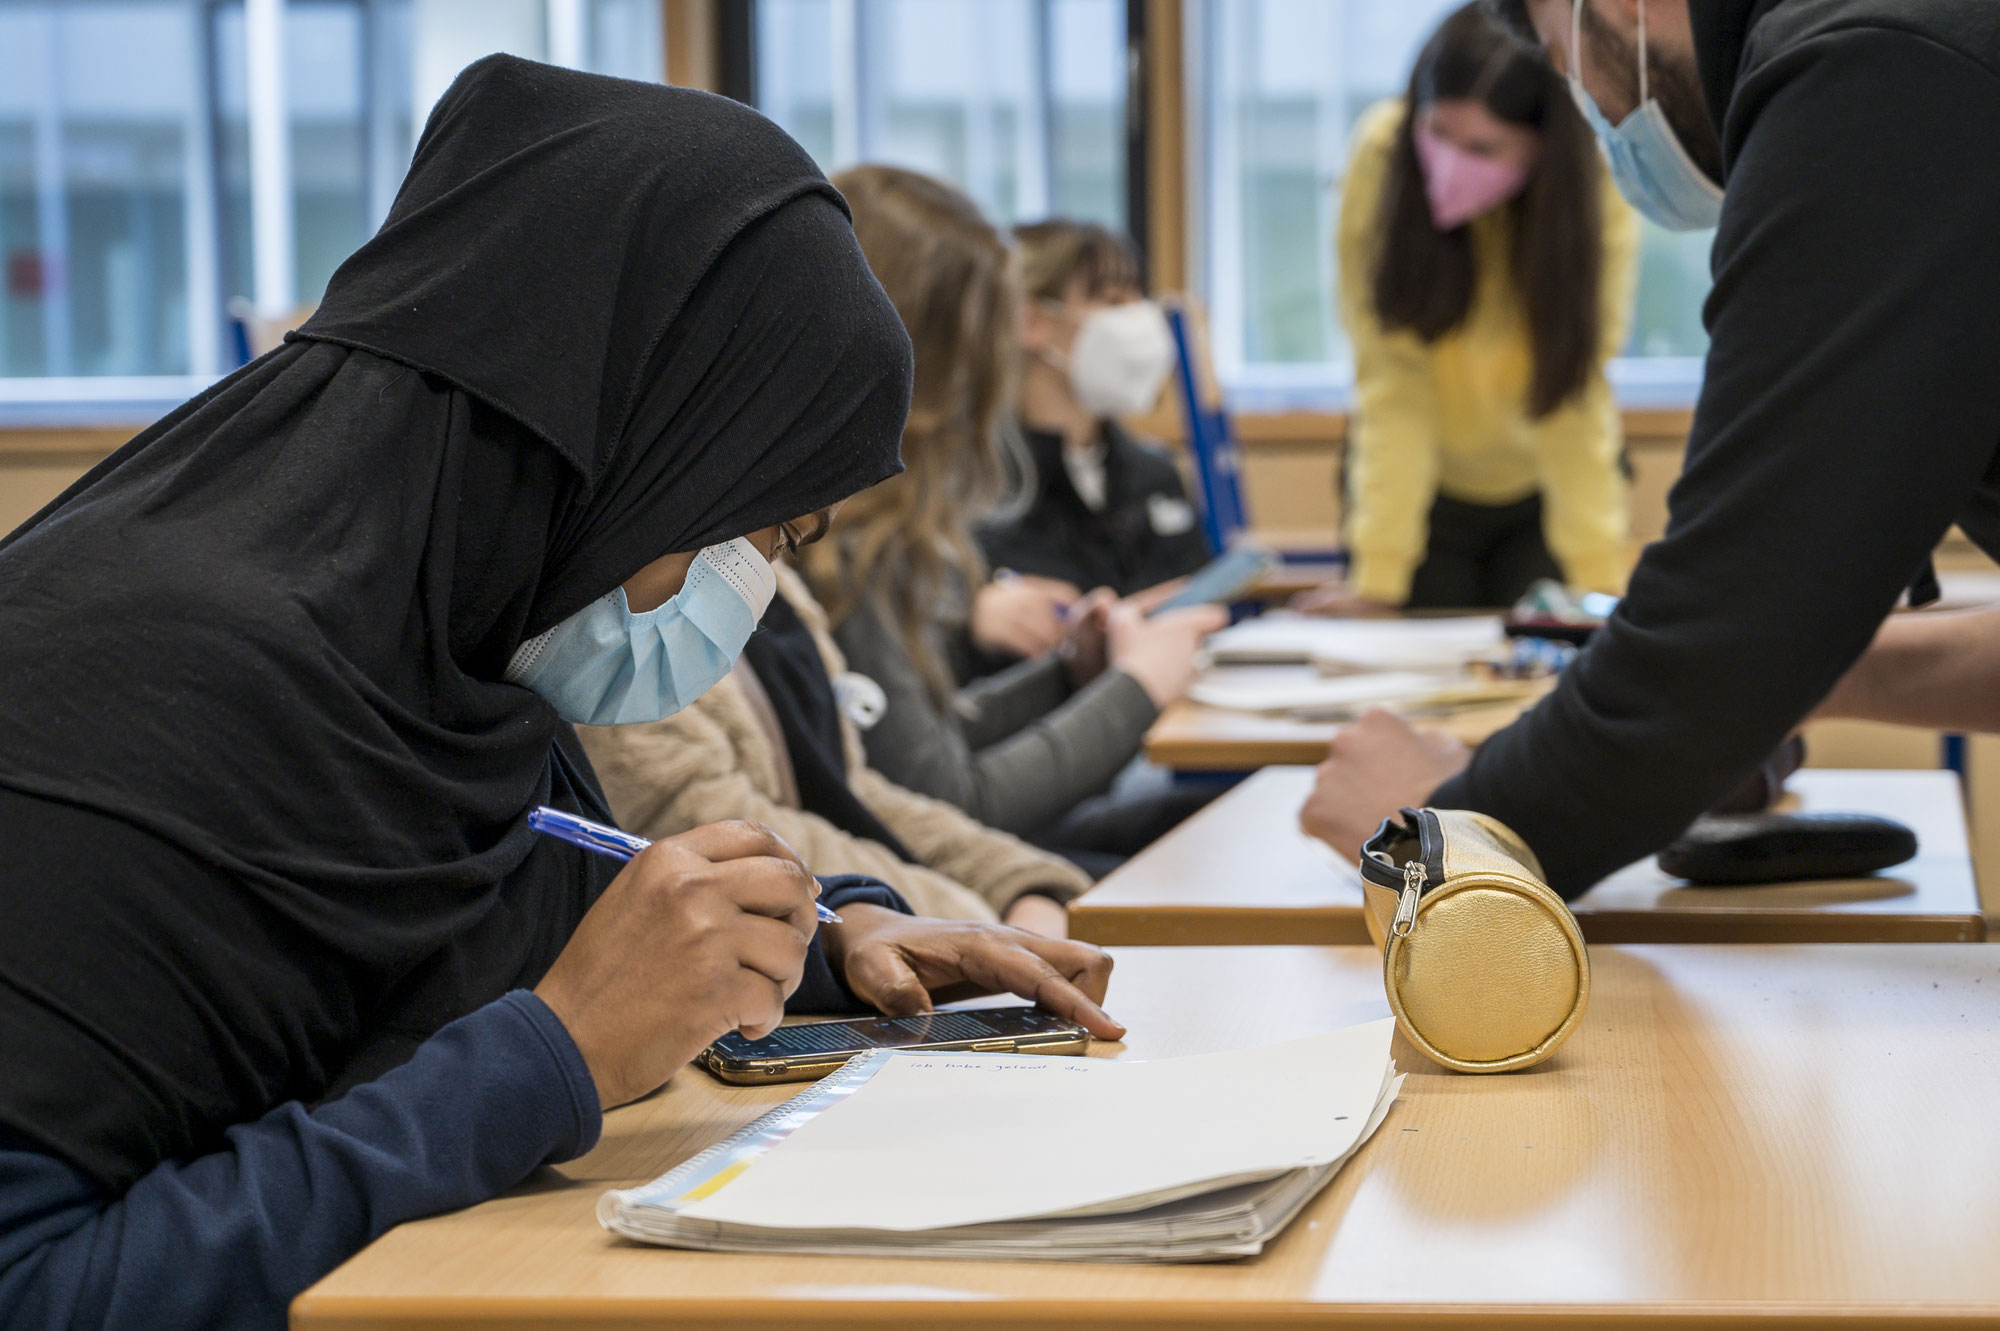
[1421,871]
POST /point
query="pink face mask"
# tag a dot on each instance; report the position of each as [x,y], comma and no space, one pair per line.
[1459,185]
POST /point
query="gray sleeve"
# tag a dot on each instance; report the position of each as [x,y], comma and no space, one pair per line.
[1018,783]
[995,707]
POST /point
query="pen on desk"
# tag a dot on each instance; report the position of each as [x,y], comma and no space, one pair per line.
[609,842]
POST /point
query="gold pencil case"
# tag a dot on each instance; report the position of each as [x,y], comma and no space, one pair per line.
[1484,965]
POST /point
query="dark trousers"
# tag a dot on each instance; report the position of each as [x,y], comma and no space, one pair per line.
[1481,555]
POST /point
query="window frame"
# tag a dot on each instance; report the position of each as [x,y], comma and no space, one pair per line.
[79,401]
[1178,206]
[734,73]
[710,45]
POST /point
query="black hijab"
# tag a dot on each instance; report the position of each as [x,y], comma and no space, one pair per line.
[604,321]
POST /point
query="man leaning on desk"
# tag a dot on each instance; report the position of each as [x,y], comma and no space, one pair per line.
[1849,415]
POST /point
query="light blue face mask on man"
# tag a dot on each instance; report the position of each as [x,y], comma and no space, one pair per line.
[605,666]
[1653,170]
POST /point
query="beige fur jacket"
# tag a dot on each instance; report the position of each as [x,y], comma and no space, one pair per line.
[718,760]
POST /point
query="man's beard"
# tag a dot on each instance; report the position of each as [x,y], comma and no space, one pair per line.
[1677,89]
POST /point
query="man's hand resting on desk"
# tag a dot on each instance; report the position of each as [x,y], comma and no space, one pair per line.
[904,964]
[1375,766]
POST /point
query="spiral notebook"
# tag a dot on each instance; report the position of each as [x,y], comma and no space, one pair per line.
[1026,1156]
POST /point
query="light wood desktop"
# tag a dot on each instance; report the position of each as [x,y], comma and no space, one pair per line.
[1292,576]
[1735,1137]
[1191,737]
[1241,871]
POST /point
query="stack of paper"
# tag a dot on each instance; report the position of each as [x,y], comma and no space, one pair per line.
[1024,1156]
[1339,697]
[1242,690]
[1347,645]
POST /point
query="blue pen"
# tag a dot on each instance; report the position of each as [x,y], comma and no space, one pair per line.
[1062,608]
[609,841]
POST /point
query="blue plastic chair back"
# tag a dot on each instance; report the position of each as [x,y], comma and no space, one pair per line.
[1217,464]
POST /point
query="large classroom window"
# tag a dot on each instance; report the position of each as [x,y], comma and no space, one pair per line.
[1280,85]
[140,204]
[169,165]
[1019,102]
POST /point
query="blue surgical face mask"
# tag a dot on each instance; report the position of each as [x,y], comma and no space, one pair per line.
[605,666]
[1653,170]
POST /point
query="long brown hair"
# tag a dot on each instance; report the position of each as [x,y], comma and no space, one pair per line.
[1424,277]
[910,538]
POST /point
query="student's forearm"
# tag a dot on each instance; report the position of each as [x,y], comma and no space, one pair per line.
[226,1240]
[1940,670]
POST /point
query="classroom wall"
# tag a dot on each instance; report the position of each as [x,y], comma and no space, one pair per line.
[37,465]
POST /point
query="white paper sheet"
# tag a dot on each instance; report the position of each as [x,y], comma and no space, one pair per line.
[1259,694]
[1358,644]
[933,1140]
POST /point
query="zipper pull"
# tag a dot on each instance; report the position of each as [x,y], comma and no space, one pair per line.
[1414,874]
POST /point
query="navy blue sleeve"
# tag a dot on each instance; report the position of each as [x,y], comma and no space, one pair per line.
[821,990]
[227,1240]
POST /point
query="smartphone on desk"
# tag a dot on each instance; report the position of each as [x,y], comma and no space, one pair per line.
[811,1049]
[1221,580]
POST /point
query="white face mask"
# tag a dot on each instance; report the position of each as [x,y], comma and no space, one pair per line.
[1121,357]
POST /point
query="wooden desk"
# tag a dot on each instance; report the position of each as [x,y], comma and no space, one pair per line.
[1735,1137]
[1293,576]
[1190,737]
[1240,871]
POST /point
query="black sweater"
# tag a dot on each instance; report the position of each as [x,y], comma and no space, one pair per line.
[1145,534]
[1849,415]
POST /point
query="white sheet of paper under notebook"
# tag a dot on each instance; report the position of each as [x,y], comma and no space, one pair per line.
[1032,1156]
[1281,638]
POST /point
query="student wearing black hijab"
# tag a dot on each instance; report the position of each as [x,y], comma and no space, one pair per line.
[269,906]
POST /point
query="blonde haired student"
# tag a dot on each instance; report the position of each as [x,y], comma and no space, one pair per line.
[1034,749]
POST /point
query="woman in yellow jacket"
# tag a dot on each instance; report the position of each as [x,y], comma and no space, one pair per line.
[1486,273]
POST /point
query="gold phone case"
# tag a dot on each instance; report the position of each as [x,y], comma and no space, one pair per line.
[813,1066]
